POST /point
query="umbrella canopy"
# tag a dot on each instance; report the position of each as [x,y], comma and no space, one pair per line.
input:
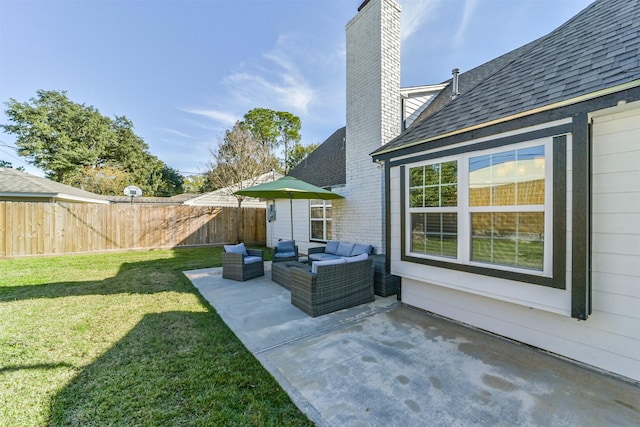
[290,188]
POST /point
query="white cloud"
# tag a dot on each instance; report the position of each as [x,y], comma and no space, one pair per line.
[177,133]
[467,13]
[279,83]
[415,13]
[219,116]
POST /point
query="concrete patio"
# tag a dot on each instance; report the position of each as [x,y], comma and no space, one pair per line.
[384,364]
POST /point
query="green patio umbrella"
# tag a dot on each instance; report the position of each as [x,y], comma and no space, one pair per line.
[290,188]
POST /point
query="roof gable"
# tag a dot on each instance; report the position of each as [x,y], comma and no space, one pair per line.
[21,184]
[326,165]
[597,49]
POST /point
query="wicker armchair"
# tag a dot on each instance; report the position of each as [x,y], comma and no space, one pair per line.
[235,266]
[285,250]
[332,288]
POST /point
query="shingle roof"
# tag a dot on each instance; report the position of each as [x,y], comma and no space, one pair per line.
[597,49]
[21,184]
[325,166]
[178,199]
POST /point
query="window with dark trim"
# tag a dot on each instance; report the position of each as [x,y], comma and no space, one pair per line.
[489,210]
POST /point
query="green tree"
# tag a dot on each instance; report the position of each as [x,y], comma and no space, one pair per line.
[101,180]
[74,144]
[274,129]
[298,153]
[171,183]
[6,164]
[194,184]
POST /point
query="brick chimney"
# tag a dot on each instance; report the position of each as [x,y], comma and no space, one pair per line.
[373,117]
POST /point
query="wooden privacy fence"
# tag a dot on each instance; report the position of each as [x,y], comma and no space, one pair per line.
[28,228]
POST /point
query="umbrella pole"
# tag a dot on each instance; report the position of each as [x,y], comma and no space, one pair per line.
[291,213]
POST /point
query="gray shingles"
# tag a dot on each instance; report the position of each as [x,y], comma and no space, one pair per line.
[325,166]
[596,49]
[19,183]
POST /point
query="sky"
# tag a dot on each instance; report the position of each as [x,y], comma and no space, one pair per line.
[184,71]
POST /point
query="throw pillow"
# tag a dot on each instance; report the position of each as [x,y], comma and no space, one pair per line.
[344,249]
[286,246]
[332,247]
[236,249]
[316,264]
[361,249]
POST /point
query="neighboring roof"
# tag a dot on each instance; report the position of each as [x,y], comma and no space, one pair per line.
[17,184]
[326,165]
[597,49]
[178,199]
[224,196]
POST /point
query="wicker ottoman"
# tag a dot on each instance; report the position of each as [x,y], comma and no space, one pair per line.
[280,271]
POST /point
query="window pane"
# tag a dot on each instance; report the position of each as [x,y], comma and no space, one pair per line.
[416,197]
[503,195]
[418,229]
[431,197]
[510,178]
[480,181]
[435,234]
[530,175]
[449,195]
[416,177]
[508,238]
[503,177]
[317,212]
[432,174]
[317,231]
[530,192]
[449,173]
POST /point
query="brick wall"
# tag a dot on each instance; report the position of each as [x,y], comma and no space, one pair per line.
[373,118]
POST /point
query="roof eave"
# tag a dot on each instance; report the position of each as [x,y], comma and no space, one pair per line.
[586,97]
[59,196]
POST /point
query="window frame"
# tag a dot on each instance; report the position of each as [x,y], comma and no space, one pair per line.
[554,258]
[327,222]
[433,209]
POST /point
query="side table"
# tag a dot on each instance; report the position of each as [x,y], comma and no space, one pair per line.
[384,284]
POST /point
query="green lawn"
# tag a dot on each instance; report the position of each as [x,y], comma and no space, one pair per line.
[124,339]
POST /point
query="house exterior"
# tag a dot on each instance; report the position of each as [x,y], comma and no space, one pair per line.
[17,186]
[377,110]
[513,206]
[312,219]
[224,197]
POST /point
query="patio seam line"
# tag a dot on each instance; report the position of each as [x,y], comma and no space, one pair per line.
[340,325]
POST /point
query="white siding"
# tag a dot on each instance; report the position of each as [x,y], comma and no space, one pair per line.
[280,229]
[539,316]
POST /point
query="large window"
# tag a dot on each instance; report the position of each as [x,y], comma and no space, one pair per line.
[320,219]
[506,202]
[488,208]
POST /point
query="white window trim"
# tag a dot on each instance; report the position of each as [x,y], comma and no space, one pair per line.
[464,210]
[325,221]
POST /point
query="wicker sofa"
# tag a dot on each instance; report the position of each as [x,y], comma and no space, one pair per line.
[336,249]
[331,287]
